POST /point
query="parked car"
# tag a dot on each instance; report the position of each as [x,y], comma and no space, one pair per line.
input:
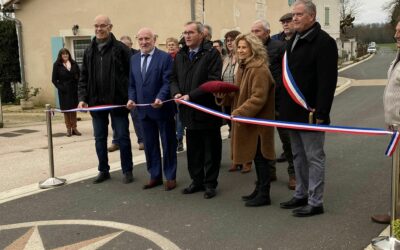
[371,49]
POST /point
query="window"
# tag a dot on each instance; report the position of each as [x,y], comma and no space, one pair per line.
[79,47]
[326,16]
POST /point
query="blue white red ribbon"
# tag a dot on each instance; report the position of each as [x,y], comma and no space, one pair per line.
[304,126]
[271,123]
[291,86]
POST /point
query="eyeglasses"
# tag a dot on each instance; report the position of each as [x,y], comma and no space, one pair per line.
[229,40]
[286,21]
[100,26]
[188,33]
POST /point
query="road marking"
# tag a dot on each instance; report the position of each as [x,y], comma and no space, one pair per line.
[156,238]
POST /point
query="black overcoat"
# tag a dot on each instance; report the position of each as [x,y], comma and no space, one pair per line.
[66,82]
[313,64]
[186,78]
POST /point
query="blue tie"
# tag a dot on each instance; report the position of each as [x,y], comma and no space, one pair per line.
[144,65]
[191,55]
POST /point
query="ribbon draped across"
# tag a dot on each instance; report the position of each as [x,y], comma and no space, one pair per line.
[270,123]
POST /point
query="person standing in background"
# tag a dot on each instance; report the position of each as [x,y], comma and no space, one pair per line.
[65,77]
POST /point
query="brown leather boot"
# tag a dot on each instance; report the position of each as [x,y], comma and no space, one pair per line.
[292,183]
[246,168]
[381,218]
[69,132]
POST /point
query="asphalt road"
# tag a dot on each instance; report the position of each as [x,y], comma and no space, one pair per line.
[357,185]
[376,68]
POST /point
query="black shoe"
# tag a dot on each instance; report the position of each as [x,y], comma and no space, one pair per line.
[259,200]
[281,158]
[210,192]
[102,176]
[179,147]
[192,189]
[307,211]
[128,178]
[250,196]
[294,202]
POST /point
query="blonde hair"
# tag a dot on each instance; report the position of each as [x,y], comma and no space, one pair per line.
[173,40]
[258,51]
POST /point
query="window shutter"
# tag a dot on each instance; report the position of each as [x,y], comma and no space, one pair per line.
[57,43]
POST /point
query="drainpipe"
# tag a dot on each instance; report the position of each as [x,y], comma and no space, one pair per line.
[193,10]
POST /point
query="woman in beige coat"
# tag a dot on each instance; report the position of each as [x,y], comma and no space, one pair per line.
[254,99]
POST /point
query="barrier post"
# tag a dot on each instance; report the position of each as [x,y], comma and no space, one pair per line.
[52,181]
[390,242]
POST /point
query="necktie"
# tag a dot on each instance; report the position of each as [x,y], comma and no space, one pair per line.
[144,65]
[191,55]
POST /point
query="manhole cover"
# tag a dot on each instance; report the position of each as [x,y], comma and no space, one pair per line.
[9,135]
[25,131]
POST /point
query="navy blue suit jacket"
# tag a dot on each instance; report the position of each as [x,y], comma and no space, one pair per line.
[156,85]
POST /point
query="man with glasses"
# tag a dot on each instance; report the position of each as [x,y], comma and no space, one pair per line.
[104,81]
[196,63]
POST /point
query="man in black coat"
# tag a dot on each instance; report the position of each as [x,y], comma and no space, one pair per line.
[276,49]
[196,63]
[104,81]
[312,60]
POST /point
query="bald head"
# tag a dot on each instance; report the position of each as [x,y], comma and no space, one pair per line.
[146,39]
[102,26]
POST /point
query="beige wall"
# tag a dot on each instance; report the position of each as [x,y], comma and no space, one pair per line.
[43,19]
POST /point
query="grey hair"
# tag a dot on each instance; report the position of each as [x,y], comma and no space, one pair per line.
[209,28]
[126,37]
[199,26]
[264,23]
[309,6]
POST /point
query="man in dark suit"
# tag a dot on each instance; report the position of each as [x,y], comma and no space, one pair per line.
[150,71]
[312,60]
[196,63]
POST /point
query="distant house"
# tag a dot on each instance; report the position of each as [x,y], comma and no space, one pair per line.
[47,26]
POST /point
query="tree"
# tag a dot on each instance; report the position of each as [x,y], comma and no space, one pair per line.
[348,13]
[9,59]
[394,9]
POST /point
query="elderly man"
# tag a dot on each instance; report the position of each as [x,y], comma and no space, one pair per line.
[275,51]
[391,104]
[288,28]
[196,63]
[104,81]
[312,60]
[149,83]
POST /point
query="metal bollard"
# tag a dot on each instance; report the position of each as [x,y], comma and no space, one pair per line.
[52,181]
[390,242]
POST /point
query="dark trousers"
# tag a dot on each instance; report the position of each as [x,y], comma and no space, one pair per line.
[121,126]
[137,125]
[287,149]
[204,148]
[263,169]
[156,129]
[70,119]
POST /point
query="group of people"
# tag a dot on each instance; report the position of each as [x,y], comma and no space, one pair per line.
[144,82]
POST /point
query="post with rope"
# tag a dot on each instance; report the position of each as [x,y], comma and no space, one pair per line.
[51,181]
[390,242]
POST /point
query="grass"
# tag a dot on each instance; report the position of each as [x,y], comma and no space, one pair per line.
[387,45]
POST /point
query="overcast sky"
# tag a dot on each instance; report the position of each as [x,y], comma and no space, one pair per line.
[370,11]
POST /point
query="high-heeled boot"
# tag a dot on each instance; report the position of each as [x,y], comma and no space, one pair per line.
[252,195]
[263,197]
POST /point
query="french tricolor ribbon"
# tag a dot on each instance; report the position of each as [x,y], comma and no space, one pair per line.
[291,86]
[304,126]
[270,123]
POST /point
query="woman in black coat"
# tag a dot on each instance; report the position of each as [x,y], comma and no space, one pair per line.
[65,78]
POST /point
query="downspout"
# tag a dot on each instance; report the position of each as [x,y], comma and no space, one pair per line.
[193,10]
